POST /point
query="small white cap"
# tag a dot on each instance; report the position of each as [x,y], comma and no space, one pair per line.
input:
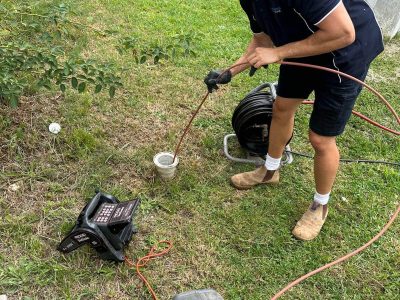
[54,128]
[14,187]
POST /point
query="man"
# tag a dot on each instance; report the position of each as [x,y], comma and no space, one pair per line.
[341,35]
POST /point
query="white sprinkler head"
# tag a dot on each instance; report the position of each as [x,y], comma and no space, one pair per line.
[54,128]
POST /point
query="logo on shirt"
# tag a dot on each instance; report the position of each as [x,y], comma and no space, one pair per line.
[276,10]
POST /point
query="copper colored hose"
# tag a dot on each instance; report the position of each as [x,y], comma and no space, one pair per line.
[358,81]
[188,125]
[396,213]
[339,260]
[361,116]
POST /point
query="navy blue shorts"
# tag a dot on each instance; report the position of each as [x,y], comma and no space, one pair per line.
[334,95]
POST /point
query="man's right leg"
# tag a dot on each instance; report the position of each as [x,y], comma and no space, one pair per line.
[281,130]
[282,124]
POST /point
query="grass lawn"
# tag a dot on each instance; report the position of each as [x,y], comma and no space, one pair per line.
[237,242]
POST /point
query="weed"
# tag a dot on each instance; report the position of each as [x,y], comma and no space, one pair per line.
[81,143]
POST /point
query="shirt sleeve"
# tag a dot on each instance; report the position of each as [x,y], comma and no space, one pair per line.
[247,7]
[315,11]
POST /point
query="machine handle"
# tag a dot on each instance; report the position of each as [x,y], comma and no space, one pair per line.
[272,88]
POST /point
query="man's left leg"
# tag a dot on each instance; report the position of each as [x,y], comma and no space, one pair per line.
[334,101]
[326,163]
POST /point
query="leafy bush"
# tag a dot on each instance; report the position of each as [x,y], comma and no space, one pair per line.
[181,45]
[33,51]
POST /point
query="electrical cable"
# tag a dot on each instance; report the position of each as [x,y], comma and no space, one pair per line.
[141,262]
[348,160]
[368,161]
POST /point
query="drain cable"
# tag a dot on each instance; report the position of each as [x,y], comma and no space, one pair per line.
[391,220]
[304,65]
[152,254]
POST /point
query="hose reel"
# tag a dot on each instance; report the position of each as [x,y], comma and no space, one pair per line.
[251,121]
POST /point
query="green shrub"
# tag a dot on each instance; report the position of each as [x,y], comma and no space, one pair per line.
[33,51]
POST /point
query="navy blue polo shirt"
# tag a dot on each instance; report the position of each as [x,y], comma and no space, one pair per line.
[287,21]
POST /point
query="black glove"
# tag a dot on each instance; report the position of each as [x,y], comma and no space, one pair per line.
[254,69]
[217,77]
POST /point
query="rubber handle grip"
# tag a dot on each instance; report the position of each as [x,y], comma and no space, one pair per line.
[254,69]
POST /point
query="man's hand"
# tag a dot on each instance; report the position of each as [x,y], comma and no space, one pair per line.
[217,77]
[263,56]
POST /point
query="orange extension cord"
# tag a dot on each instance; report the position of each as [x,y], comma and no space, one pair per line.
[145,259]
[152,254]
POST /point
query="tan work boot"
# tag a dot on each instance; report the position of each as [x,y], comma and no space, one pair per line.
[261,175]
[310,224]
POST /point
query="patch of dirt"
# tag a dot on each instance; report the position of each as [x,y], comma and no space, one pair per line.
[377,77]
[186,213]
[392,48]
[374,76]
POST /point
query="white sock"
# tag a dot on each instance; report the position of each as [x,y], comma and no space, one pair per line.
[272,164]
[321,199]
